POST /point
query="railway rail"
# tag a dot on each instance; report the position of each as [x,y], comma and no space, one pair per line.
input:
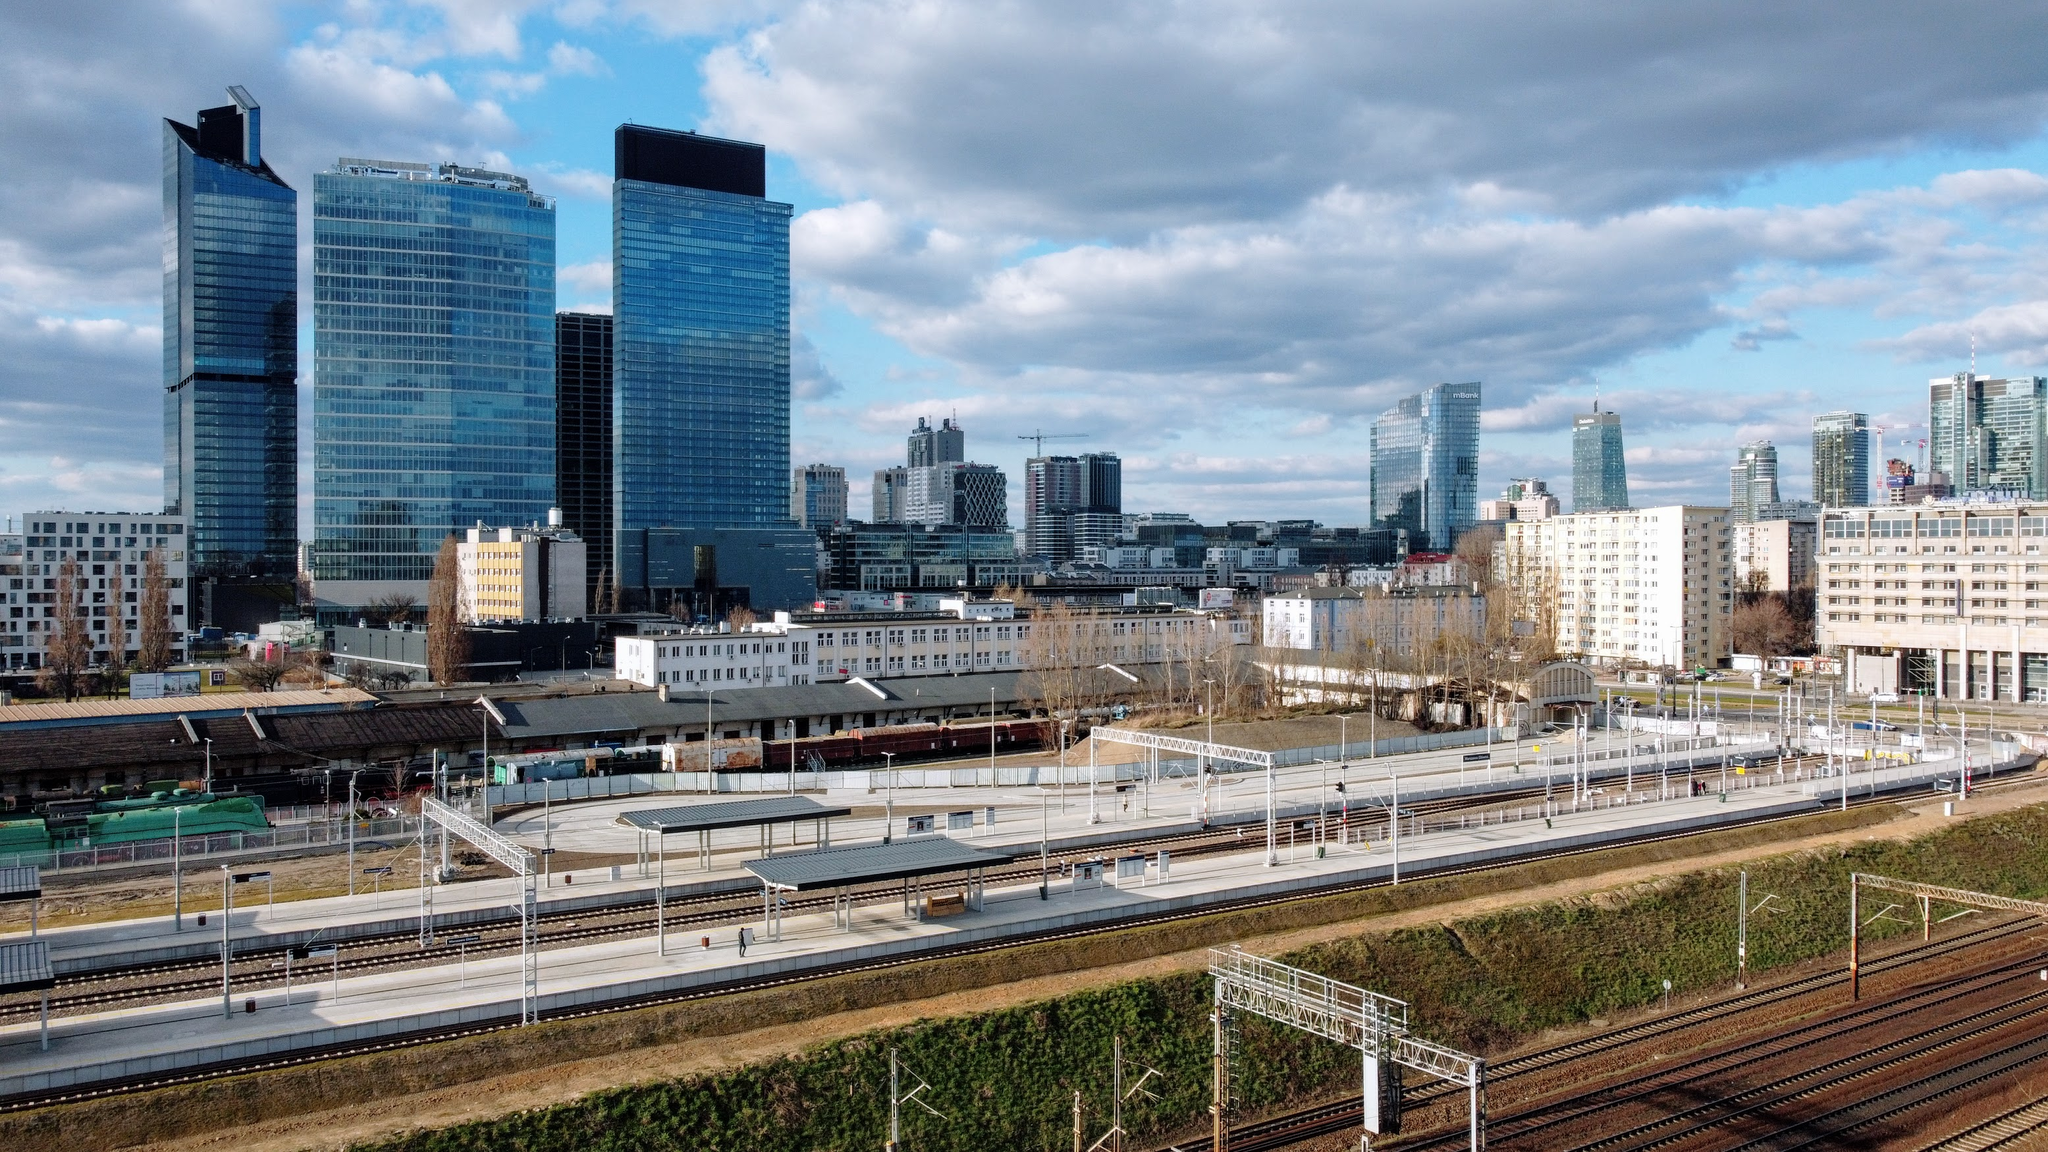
[200,1073]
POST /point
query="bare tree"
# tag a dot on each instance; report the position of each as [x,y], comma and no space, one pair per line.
[396,608]
[117,638]
[155,655]
[69,651]
[1057,678]
[259,675]
[740,618]
[447,641]
[1764,627]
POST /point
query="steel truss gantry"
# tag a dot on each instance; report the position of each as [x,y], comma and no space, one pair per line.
[1204,751]
[1376,1025]
[1928,895]
[516,858]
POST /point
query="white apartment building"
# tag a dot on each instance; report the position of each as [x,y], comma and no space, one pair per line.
[1774,555]
[111,550]
[1395,620]
[964,636]
[529,573]
[1654,585]
[1949,598]
[715,657]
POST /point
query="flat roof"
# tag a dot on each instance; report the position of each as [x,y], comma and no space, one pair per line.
[212,704]
[25,966]
[729,814]
[872,863]
[25,883]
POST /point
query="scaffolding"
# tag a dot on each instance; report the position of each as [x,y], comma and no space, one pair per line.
[1928,895]
[1376,1025]
[517,859]
[1203,751]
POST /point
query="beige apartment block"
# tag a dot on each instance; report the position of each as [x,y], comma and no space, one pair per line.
[1648,585]
[1943,598]
[1774,555]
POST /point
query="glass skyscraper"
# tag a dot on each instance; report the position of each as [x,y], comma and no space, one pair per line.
[700,361]
[231,345]
[1752,482]
[434,362]
[1985,434]
[583,439]
[1599,470]
[1841,459]
[1425,466]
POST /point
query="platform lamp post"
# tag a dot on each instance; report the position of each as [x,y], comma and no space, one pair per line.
[177,871]
[352,833]
[991,738]
[207,785]
[889,801]
[228,880]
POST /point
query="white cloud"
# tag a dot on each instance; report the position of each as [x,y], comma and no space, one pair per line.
[565,59]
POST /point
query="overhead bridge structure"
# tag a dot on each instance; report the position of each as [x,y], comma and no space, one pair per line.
[1928,895]
[1205,752]
[520,862]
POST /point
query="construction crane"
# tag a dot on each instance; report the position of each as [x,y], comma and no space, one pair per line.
[1038,439]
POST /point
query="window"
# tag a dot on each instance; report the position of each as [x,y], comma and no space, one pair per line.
[1990,525]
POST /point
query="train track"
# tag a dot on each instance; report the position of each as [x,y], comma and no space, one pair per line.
[257,968]
[2008,1129]
[1342,1115]
[200,1073]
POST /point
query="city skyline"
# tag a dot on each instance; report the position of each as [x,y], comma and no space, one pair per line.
[1707,294]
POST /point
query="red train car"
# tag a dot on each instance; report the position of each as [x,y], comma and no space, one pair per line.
[905,742]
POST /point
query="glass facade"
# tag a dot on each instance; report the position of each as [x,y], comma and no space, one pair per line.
[1752,482]
[1425,465]
[434,368]
[1841,459]
[700,363]
[1599,470]
[1987,435]
[231,359]
[583,438]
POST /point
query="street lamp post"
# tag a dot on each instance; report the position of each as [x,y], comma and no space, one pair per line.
[352,833]
[889,804]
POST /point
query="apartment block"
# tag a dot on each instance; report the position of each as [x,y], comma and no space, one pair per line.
[1949,599]
[1396,621]
[1774,555]
[112,551]
[1651,585]
[531,573]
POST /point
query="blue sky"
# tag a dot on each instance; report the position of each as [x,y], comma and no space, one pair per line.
[1215,237]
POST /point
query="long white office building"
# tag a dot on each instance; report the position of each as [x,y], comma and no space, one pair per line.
[1944,598]
[964,636]
[1653,585]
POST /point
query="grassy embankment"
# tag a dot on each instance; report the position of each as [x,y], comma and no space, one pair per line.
[1005,1078]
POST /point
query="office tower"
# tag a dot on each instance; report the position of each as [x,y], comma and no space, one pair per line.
[941,445]
[231,344]
[974,495]
[1052,490]
[1752,481]
[1599,471]
[1841,459]
[1102,484]
[434,363]
[1425,465]
[583,441]
[891,487]
[1986,434]
[817,496]
[700,373]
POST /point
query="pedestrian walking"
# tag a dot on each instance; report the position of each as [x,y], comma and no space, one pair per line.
[746,938]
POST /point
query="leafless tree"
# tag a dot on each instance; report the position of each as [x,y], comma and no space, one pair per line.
[1057,678]
[155,655]
[117,638]
[740,618]
[447,640]
[1764,627]
[396,608]
[259,675]
[70,649]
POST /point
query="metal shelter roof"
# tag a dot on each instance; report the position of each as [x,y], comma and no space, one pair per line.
[729,814]
[872,863]
[25,966]
[20,883]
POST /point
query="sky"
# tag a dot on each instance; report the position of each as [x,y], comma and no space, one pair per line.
[1214,237]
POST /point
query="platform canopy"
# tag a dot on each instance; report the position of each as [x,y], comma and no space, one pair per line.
[20,884]
[25,966]
[729,814]
[872,864]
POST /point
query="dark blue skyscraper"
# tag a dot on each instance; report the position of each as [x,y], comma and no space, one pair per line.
[1425,465]
[231,352]
[700,360]
[434,362]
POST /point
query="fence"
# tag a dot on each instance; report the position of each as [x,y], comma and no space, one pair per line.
[315,834]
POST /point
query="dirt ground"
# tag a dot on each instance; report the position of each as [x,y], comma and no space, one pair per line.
[562,1082]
